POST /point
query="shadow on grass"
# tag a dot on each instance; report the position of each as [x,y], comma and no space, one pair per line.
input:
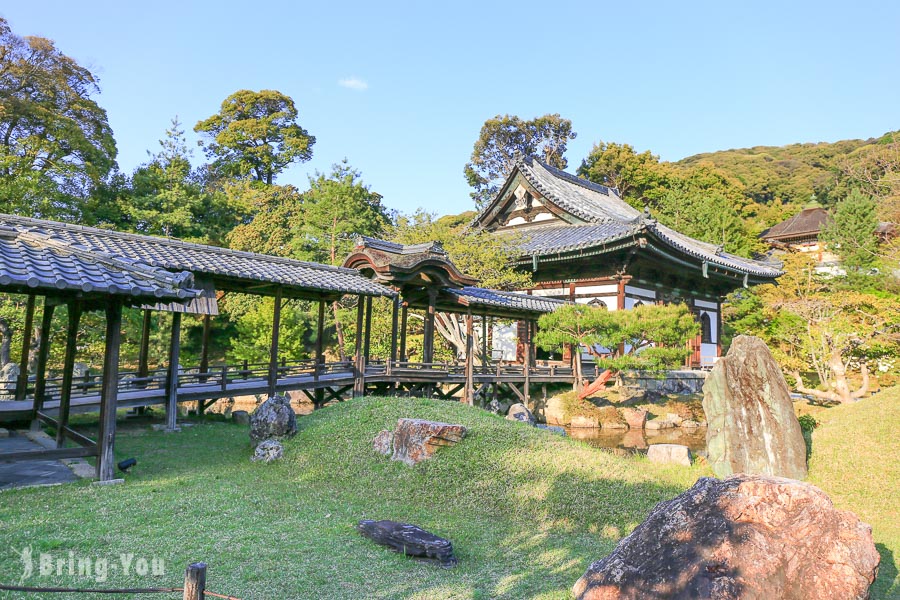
[886,585]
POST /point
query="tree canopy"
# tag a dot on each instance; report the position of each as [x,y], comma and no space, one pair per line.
[56,144]
[256,134]
[503,138]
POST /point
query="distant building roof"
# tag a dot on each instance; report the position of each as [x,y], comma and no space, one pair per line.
[401,265]
[806,224]
[228,269]
[594,219]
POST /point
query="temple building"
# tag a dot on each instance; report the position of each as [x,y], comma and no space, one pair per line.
[582,242]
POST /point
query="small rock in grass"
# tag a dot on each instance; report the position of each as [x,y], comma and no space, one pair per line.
[268,451]
[669,454]
[241,417]
[384,442]
[520,412]
[416,440]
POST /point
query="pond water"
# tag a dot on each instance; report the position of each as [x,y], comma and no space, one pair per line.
[628,441]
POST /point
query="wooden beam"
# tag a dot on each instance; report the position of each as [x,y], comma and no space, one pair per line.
[273,350]
[359,369]
[22,381]
[204,344]
[469,393]
[109,392]
[485,359]
[65,393]
[395,314]
[319,396]
[40,377]
[172,375]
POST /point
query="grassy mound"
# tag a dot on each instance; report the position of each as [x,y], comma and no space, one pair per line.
[856,460]
[526,510]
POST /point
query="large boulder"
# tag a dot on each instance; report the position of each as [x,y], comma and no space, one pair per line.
[416,440]
[747,537]
[752,427]
[555,411]
[635,417]
[9,375]
[273,419]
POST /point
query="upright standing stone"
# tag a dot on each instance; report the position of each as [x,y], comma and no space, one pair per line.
[273,419]
[752,425]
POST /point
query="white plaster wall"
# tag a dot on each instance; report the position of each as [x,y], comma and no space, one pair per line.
[504,344]
[706,304]
[708,355]
[551,292]
[599,290]
[643,292]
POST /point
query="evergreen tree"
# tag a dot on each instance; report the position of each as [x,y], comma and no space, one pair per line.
[851,232]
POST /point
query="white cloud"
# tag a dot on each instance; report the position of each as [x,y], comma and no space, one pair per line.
[353,83]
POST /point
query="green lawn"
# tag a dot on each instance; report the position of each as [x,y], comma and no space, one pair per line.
[856,460]
[527,511]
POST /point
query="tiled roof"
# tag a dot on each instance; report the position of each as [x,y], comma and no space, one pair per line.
[435,247]
[607,218]
[507,300]
[714,254]
[30,260]
[592,202]
[175,255]
[564,238]
[808,222]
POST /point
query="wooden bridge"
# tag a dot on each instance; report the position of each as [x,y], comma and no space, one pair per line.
[329,382]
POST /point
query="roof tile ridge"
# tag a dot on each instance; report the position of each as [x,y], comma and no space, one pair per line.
[174,243]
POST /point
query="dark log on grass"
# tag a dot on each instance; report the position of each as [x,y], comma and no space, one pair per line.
[409,540]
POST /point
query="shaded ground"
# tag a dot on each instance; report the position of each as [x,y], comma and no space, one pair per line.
[31,472]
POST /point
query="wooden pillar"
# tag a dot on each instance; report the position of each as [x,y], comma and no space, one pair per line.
[469,394]
[22,381]
[318,393]
[40,376]
[428,342]
[273,350]
[368,339]
[395,314]
[204,344]
[65,392]
[109,392]
[527,362]
[144,351]
[172,376]
[404,318]
[195,582]
[485,332]
[359,370]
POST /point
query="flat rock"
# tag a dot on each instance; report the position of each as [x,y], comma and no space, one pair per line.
[409,540]
[689,424]
[553,429]
[615,425]
[669,454]
[274,419]
[745,537]
[658,424]
[752,424]
[416,440]
[520,412]
[635,417]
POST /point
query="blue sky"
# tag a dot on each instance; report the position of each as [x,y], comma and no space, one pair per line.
[402,90]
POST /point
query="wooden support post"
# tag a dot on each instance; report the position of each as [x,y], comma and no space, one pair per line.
[172,375]
[144,351]
[65,392]
[527,362]
[40,376]
[359,370]
[469,394]
[395,315]
[106,461]
[204,345]
[22,381]
[195,581]
[404,318]
[319,395]
[484,344]
[368,339]
[273,350]
[428,342]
